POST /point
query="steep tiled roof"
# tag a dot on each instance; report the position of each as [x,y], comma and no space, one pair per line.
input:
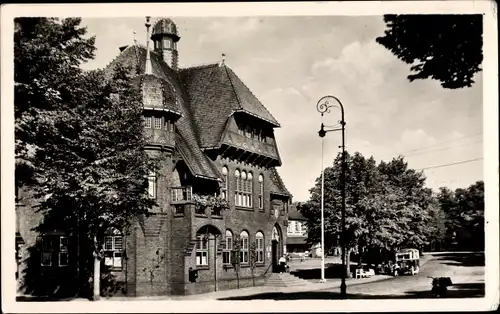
[294,214]
[187,144]
[247,100]
[213,103]
[277,185]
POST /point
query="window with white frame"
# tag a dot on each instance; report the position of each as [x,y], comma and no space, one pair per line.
[244,189]
[202,250]
[261,192]
[46,250]
[147,122]
[259,247]
[244,247]
[157,122]
[297,226]
[237,195]
[249,189]
[113,249]
[226,253]
[63,251]
[152,184]
[223,190]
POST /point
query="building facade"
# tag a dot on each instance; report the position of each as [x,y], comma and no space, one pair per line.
[296,238]
[218,142]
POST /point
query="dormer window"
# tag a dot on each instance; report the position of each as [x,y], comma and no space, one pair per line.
[167,44]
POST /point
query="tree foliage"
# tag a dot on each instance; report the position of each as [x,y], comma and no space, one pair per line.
[464,212]
[79,136]
[447,48]
[387,205]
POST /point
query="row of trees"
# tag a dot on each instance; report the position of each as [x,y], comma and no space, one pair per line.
[388,207]
[461,217]
[79,140]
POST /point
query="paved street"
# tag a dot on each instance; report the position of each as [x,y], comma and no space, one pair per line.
[466,271]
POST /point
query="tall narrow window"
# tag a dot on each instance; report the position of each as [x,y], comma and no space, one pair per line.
[147,122]
[250,189]
[259,247]
[261,192]
[226,254]
[157,122]
[243,187]
[237,196]
[152,184]
[46,250]
[201,250]
[113,249]
[244,247]
[166,43]
[63,251]
[224,183]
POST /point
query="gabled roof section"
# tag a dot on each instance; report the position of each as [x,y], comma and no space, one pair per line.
[212,100]
[247,100]
[277,185]
[187,144]
[295,214]
[215,93]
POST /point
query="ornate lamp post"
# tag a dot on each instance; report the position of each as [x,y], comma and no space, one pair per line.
[323,106]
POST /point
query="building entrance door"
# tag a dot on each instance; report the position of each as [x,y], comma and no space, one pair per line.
[274,255]
[276,245]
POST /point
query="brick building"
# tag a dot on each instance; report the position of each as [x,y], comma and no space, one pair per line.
[219,142]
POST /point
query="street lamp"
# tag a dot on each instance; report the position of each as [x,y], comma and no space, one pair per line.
[323,106]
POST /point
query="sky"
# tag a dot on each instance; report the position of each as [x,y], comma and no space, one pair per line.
[290,62]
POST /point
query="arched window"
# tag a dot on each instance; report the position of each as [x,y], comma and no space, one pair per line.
[224,183]
[226,253]
[261,192]
[237,188]
[113,248]
[243,188]
[244,247]
[259,247]
[250,189]
[152,184]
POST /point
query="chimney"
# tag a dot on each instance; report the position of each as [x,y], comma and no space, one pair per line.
[148,68]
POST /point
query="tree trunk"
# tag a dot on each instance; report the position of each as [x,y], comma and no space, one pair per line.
[97,279]
[348,263]
[253,277]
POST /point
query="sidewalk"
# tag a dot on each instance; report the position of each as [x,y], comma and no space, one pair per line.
[330,284]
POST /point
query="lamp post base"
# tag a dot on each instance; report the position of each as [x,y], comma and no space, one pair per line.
[343,290]
[322,280]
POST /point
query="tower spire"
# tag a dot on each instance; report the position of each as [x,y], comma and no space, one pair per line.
[148,68]
[223,60]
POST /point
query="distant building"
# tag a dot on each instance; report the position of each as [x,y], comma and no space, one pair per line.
[296,241]
[219,142]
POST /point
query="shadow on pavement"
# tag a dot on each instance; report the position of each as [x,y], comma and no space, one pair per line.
[331,271]
[462,259]
[466,290]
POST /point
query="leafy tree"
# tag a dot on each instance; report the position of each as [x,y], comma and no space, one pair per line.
[464,210]
[387,205]
[81,135]
[415,199]
[447,48]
